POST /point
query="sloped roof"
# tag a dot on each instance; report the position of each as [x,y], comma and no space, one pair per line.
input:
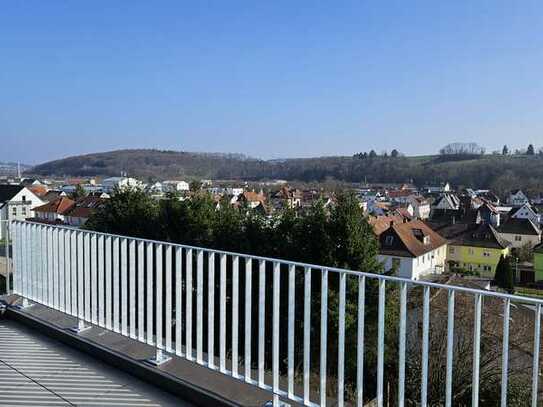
[519,227]
[409,239]
[483,235]
[7,192]
[86,206]
[382,223]
[60,206]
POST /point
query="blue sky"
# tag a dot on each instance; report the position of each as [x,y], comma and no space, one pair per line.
[268,79]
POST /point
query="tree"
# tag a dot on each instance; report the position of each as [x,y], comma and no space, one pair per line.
[78,193]
[505,150]
[462,149]
[394,153]
[530,150]
[504,277]
[373,154]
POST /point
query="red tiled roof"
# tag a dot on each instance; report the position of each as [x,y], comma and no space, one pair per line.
[59,206]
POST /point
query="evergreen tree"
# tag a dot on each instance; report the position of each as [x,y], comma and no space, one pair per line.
[394,153]
[372,154]
[530,150]
[505,150]
[78,193]
[504,277]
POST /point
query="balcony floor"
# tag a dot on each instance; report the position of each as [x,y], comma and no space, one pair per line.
[38,371]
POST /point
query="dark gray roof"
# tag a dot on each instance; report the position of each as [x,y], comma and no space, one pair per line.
[519,227]
[8,191]
[483,235]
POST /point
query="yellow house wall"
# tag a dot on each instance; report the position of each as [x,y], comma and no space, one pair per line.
[470,257]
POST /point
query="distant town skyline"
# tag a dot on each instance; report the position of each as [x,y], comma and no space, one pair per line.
[269,80]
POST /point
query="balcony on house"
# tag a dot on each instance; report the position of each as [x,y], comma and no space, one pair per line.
[222,328]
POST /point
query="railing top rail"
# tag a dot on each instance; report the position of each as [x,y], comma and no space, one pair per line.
[467,290]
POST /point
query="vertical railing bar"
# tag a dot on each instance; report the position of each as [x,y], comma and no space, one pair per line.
[141,291]
[132,289]
[341,341]
[149,292]
[307,333]
[248,299]
[51,272]
[87,276]
[116,288]
[199,306]
[425,345]
[94,280]
[324,334]
[178,299]
[261,320]
[505,351]
[450,348]
[360,341]
[222,316]
[158,295]
[381,344]
[291,317]
[188,307]
[124,287]
[275,322]
[68,268]
[61,268]
[80,272]
[55,270]
[211,312]
[401,341]
[235,315]
[168,301]
[101,278]
[476,350]
[109,301]
[535,367]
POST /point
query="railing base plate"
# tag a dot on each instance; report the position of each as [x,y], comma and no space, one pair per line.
[81,327]
[158,360]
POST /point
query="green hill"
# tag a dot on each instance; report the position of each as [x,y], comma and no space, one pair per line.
[500,173]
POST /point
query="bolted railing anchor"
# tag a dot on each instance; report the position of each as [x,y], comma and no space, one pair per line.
[160,358]
[81,326]
[25,304]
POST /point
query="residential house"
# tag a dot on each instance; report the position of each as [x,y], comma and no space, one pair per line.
[517,198]
[52,195]
[412,250]
[447,202]
[54,211]
[253,200]
[289,198]
[16,203]
[477,248]
[520,233]
[83,209]
[175,186]
[487,213]
[109,184]
[421,207]
[443,188]
[400,196]
[526,211]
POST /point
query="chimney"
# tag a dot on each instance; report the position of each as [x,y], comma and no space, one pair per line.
[391,223]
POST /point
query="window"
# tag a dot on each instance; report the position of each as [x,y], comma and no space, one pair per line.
[451,250]
[471,251]
[395,263]
[24,198]
[487,268]
[24,211]
[486,254]
[389,240]
[518,238]
[14,211]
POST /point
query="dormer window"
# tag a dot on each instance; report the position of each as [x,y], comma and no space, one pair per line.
[426,240]
[389,240]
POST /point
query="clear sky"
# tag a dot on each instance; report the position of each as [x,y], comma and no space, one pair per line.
[268,78]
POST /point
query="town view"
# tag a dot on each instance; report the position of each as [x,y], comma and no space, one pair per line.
[271,205]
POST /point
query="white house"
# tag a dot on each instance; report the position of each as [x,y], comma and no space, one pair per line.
[175,186]
[421,207]
[447,202]
[518,198]
[526,211]
[520,233]
[412,250]
[109,184]
[16,203]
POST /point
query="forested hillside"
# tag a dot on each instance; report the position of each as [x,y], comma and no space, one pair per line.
[499,172]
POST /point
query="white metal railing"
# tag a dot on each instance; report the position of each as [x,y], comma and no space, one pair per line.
[147,290]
